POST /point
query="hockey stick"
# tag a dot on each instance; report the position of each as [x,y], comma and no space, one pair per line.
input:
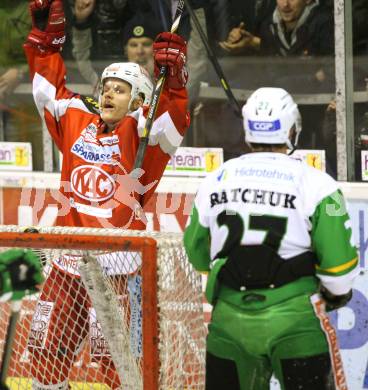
[143,142]
[112,317]
[8,343]
[211,55]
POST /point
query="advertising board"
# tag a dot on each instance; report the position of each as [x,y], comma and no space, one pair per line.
[30,199]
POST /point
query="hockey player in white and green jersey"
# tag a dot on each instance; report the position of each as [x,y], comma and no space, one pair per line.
[275,238]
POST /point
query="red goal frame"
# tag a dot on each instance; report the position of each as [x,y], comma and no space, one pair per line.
[146,246]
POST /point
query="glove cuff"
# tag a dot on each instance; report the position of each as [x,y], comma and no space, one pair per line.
[179,80]
[46,41]
[334,302]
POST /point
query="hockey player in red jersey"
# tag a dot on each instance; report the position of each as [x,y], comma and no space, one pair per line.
[98,149]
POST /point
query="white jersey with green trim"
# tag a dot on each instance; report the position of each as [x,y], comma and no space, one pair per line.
[274,200]
[264,189]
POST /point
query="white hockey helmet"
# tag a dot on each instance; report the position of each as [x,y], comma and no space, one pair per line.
[268,117]
[133,74]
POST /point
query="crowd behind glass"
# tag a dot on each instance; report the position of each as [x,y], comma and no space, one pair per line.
[285,43]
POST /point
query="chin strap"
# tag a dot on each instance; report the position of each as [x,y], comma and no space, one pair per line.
[291,150]
[292,143]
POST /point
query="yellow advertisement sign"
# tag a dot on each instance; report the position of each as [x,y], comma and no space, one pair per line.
[15,156]
[194,161]
[314,158]
[213,160]
[22,156]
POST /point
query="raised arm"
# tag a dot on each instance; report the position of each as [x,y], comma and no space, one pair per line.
[172,118]
[47,69]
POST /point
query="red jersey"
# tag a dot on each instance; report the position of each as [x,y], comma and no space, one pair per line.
[95,189]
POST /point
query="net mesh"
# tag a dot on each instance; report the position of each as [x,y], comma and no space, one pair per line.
[101,313]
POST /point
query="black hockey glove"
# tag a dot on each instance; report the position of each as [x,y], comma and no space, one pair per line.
[334,302]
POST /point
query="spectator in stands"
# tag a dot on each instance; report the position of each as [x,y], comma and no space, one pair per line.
[300,28]
[138,36]
[107,19]
[136,41]
[250,13]
[96,33]
[164,12]
[295,27]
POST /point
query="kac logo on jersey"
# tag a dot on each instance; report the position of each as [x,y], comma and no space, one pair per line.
[264,126]
[92,183]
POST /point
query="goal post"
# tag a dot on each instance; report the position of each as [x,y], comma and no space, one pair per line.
[147,299]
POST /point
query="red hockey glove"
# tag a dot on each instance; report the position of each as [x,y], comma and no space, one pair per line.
[170,50]
[48,25]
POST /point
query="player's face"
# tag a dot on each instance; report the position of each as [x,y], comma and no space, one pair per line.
[115,97]
[291,10]
[139,50]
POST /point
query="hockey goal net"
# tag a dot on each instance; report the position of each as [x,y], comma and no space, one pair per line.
[119,309]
